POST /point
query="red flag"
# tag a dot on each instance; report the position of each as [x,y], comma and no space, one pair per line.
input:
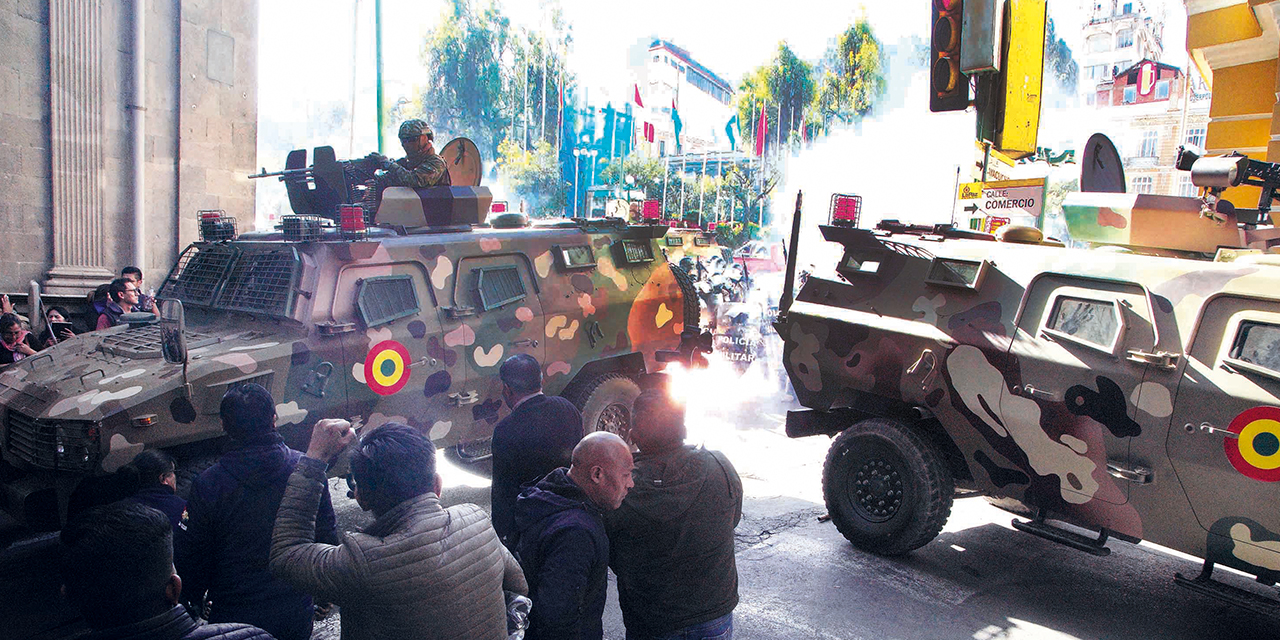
[762,131]
[638,102]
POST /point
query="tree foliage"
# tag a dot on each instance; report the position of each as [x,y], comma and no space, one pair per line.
[487,80]
[852,76]
[646,171]
[1058,61]
[784,88]
[534,176]
[748,186]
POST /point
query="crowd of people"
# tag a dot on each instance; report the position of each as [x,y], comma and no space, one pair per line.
[254,552]
[107,304]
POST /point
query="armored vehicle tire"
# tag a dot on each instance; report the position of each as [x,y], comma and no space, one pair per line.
[689,294]
[887,489]
[188,469]
[605,403]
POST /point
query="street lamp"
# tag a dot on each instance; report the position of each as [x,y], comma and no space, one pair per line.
[577,153]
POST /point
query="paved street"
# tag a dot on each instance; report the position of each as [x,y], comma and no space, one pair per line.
[980,580]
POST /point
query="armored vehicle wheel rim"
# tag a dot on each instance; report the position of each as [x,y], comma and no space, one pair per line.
[616,419]
[876,489]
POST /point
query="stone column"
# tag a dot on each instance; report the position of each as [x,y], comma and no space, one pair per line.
[76,146]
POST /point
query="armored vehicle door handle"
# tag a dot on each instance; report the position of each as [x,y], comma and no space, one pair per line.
[1205,427]
[1136,474]
[1032,392]
[319,379]
[929,363]
[464,398]
[524,342]
[1162,359]
[335,328]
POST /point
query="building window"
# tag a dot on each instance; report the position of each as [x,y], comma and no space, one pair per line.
[1130,95]
[1099,43]
[1195,135]
[1124,39]
[1091,99]
[662,148]
[1150,142]
[1162,90]
[1142,184]
[1128,8]
[1185,188]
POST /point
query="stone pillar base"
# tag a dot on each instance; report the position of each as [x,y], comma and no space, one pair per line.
[70,282]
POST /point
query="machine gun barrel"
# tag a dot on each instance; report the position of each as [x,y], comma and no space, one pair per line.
[283,174]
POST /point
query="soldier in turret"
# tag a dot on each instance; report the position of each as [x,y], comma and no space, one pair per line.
[420,168]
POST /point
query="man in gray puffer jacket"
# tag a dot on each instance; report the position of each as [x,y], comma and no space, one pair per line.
[420,570]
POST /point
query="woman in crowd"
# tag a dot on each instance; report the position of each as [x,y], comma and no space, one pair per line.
[16,341]
[47,339]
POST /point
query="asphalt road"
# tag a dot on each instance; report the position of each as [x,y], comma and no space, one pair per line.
[799,579]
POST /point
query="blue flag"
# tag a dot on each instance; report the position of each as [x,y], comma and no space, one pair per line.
[728,129]
[675,121]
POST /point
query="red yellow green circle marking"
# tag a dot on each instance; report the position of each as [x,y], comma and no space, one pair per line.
[386,369]
[1255,451]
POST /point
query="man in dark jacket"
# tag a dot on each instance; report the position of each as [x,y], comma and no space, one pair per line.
[671,541]
[117,569]
[563,546]
[230,513]
[537,437]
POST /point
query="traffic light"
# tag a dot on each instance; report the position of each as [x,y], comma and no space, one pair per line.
[950,86]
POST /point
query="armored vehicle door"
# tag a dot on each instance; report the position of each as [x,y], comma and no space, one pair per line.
[1075,347]
[393,354]
[1225,439]
[492,312]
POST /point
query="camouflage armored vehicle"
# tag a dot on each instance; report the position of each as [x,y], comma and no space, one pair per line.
[408,322]
[1130,394]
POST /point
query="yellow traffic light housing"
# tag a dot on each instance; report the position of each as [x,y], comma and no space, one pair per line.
[949,90]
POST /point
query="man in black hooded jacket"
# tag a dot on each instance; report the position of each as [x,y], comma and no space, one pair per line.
[562,547]
[225,547]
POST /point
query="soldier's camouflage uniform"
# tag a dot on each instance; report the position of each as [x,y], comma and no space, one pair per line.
[420,172]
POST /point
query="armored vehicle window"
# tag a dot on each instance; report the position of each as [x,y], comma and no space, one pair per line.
[674,241]
[633,251]
[1092,322]
[1258,344]
[576,256]
[261,281]
[382,299]
[701,242]
[855,263]
[498,286]
[196,276]
[956,273]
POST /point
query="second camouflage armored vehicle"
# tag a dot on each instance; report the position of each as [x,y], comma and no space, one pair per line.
[1131,395]
[407,323]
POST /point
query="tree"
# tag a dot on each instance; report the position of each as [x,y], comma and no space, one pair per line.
[534,176]
[1058,61]
[485,78]
[852,76]
[784,88]
[748,186]
[646,171]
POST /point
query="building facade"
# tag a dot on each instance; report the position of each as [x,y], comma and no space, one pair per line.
[1149,110]
[704,100]
[123,118]
[1117,35]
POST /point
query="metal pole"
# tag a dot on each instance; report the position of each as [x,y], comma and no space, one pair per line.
[955,193]
[682,167]
[788,285]
[355,34]
[666,170]
[701,198]
[577,173]
[377,54]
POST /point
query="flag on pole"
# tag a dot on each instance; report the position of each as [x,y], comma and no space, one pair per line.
[639,103]
[728,130]
[762,130]
[676,123]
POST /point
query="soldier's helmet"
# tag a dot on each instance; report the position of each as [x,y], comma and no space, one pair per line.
[413,128]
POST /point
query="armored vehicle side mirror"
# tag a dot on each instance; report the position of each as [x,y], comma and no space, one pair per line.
[35,308]
[173,332]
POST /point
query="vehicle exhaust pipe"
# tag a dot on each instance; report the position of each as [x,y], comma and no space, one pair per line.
[788,285]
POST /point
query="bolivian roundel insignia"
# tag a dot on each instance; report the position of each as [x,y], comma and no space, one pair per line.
[386,369]
[1255,451]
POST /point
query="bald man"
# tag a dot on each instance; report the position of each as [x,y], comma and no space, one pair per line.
[563,547]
